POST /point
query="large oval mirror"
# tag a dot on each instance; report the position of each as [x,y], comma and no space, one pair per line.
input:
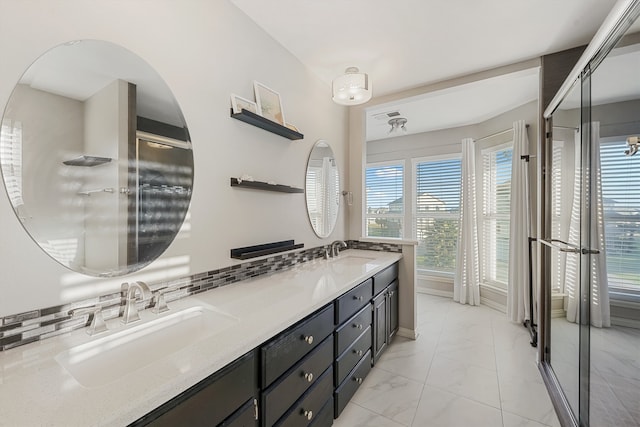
[96,158]
[322,188]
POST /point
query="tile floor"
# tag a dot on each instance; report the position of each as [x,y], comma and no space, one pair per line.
[469,367]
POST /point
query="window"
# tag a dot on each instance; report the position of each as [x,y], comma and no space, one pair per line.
[621,199]
[385,203]
[11,159]
[496,198]
[437,213]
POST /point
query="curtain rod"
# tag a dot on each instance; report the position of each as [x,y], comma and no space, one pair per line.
[496,134]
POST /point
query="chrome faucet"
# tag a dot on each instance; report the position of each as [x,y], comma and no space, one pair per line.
[130,313]
[95,317]
[334,247]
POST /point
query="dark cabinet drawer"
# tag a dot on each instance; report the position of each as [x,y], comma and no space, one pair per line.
[325,417]
[308,408]
[244,417]
[211,401]
[284,351]
[279,397]
[350,358]
[350,385]
[352,329]
[353,300]
[384,278]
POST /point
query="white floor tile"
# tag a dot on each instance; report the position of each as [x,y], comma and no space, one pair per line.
[513,420]
[439,408]
[357,416]
[390,395]
[465,379]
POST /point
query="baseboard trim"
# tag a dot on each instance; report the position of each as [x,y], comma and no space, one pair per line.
[559,312]
[436,292]
[412,334]
[495,305]
[625,322]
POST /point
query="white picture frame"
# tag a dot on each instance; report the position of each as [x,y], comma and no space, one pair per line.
[269,103]
[239,103]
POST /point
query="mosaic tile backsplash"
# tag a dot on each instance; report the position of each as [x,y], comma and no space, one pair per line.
[24,328]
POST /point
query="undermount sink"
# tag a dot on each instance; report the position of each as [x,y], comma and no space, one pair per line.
[352,259]
[106,359]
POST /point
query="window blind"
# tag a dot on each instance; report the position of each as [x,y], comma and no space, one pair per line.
[384,200]
[620,176]
[496,199]
[11,159]
[437,213]
[557,207]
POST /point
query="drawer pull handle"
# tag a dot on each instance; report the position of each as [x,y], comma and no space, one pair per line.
[358,352]
[308,376]
[358,297]
[358,380]
[358,326]
[307,414]
[308,339]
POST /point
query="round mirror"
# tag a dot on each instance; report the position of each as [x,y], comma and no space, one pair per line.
[96,158]
[322,188]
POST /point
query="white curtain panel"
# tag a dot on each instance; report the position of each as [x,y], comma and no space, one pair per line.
[599,282]
[600,310]
[466,284]
[519,221]
[572,260]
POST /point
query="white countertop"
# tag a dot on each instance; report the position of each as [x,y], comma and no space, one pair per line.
[35,390]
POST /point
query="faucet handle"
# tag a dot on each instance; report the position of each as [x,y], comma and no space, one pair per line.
[158,300]
[95,314]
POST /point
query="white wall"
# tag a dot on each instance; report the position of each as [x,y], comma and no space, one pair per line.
[205,50]
[40,128]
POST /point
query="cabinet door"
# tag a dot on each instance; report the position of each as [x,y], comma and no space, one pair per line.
[379,325]
[392,310]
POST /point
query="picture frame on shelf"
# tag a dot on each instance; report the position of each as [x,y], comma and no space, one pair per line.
[239,103]
[269,103]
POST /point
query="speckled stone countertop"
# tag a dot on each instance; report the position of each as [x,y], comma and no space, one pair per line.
[36,390]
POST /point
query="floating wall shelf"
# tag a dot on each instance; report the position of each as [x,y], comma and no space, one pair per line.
[266,124]
[266,249]
[259,185]
[87,161]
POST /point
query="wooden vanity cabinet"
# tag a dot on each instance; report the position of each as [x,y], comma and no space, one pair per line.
[296,367]
[226,398]
[304,376]
[385,309]
[352,348]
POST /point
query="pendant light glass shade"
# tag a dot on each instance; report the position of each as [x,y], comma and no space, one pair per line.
[351,88]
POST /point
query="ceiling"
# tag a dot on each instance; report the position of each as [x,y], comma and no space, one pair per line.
[410,43]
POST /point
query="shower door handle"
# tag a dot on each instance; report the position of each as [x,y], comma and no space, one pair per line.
[569,247]
[587,251]
[554,244]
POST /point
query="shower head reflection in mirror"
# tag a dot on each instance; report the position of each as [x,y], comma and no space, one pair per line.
[90,100]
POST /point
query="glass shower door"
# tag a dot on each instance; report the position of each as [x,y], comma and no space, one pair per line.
[560,247]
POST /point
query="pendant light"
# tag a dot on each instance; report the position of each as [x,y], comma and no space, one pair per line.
[351,88]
